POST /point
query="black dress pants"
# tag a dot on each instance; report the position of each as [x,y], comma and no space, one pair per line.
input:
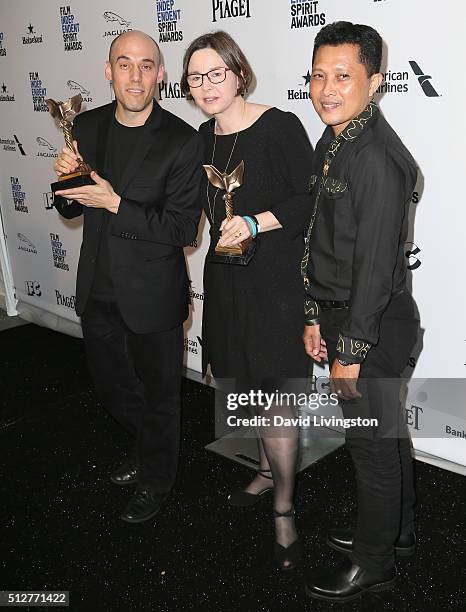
[138,378]
[381,455]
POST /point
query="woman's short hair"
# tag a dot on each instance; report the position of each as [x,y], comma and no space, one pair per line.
[229,51]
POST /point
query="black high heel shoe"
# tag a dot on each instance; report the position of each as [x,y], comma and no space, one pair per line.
[289,557]
[242,498]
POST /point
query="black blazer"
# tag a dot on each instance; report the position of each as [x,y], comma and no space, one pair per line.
[158,215]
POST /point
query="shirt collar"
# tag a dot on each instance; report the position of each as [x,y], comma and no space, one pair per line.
[352,131]
[357,125]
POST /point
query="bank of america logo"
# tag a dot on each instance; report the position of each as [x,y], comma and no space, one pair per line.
[424,81]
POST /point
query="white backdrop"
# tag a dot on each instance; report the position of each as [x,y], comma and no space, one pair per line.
[57,49]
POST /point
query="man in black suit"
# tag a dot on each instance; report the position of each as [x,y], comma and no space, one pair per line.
[132,284]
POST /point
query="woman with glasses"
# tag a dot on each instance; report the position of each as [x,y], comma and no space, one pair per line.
[253,314]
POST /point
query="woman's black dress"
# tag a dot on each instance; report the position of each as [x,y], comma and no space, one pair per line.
[253,315]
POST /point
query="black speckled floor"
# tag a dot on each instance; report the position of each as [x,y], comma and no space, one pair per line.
[59,512]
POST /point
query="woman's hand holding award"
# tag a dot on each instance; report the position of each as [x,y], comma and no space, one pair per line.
[241,253]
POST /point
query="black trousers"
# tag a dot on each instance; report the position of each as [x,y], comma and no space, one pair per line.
[382,455]
[138,378]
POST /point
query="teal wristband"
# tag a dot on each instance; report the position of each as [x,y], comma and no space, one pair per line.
[251,224]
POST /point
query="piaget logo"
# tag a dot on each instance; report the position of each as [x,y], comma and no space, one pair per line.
[226,9]
[170,90]
[65,300]
[306,14]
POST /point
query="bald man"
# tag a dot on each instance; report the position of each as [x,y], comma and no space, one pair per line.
[132,284]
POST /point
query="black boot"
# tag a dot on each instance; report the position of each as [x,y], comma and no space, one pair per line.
[349,581]
[342,540]
[126,474]
[142,506]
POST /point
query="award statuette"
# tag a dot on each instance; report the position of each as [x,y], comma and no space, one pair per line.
[66,112]
[241,253]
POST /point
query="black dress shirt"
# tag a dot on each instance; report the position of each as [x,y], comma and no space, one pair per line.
[361,188]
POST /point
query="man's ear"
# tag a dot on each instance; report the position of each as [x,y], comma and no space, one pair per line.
[160,74]
[375,82]
[108,71]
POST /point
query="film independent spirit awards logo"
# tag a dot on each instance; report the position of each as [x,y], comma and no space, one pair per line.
[58,253]
[306,14]
[168,21]
[2,48]
[18,195]
[70,29]
[38,92]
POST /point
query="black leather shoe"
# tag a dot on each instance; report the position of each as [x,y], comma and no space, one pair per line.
[142,506]
[342,540]
[126,474]
[348,581]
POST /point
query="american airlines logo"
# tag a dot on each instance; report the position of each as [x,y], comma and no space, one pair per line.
[424,80]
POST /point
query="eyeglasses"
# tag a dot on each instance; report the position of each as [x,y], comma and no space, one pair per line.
[215,76]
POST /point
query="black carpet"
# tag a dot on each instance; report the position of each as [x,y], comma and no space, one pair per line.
[59,512]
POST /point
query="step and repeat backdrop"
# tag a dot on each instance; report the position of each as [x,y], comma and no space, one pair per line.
[58,49]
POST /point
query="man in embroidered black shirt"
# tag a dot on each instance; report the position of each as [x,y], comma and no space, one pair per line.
[358,312]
